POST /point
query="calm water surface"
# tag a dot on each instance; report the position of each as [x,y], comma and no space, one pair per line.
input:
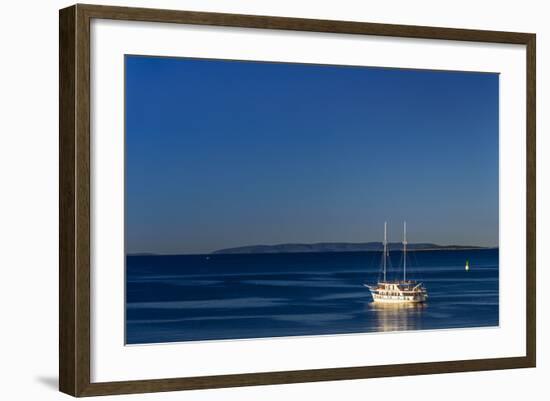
[200,297]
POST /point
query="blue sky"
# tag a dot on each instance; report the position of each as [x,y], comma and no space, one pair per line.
[226,153]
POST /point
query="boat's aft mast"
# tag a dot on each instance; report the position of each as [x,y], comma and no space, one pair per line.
[385,248]
[404,251]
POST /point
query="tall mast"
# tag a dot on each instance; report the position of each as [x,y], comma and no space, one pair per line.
[404,251]
[385,248]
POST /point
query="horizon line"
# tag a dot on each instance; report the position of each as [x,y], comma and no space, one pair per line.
[219,251]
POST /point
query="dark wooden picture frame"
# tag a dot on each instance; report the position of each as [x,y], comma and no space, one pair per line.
[74,200]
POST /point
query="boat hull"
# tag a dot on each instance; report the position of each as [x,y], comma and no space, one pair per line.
[383,299]
[394,296]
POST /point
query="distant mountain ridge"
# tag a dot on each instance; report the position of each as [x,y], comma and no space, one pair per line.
[339,247]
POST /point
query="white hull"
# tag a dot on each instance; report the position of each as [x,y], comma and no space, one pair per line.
[384,299]
[395,296]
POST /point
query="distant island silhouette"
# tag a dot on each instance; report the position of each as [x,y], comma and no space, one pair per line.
[326,247]
[340,247]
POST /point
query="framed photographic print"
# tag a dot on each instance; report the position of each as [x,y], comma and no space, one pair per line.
[250,200]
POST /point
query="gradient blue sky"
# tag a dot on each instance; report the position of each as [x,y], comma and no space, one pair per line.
[230,153]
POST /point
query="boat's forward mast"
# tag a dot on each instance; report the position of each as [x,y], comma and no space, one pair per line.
[384,257]
[404,251]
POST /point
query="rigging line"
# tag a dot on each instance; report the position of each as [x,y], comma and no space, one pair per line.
[389,259]
[418,272]
[371,260]
[381,270]
[401,259]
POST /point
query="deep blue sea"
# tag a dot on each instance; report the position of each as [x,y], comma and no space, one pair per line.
[212,297]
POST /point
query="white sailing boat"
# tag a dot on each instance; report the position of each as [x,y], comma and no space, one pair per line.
[397,291]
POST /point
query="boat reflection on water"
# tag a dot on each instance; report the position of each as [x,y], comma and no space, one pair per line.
[397,317]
